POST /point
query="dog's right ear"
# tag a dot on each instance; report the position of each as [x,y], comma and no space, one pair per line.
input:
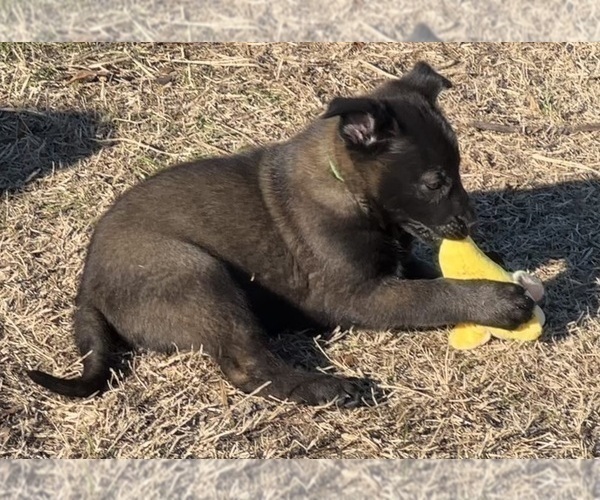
[364,122]
[425,80]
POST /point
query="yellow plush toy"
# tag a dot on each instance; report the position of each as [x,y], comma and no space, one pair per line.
[462,259]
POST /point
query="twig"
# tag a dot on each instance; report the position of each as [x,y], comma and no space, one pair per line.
[140,144]
[110,62]
[528,129]
[235,63]
[125,140]
[149,73]
[585,127]
[496,127]
[239,132]
[378,70]
[565,163]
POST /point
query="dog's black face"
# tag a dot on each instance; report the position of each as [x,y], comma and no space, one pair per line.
[409,155]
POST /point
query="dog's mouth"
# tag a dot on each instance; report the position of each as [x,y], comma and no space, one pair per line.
[421,232]
[455,230]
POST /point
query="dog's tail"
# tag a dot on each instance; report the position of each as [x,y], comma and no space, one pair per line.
[94,337]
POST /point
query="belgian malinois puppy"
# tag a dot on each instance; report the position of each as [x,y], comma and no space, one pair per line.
[312,232]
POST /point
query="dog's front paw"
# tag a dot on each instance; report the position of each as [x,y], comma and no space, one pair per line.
[505,305]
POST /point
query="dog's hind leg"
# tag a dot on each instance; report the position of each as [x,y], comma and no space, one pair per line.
[176,296]
[231,334]
[193,302]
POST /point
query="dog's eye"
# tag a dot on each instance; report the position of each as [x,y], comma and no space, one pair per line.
[433,182]
[434,185]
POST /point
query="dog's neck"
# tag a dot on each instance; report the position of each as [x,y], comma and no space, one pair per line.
[343,169]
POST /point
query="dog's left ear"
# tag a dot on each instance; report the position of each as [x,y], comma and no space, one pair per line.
[364,122]
[425,80]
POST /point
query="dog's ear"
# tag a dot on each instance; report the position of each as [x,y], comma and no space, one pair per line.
[425,80]
[363,122]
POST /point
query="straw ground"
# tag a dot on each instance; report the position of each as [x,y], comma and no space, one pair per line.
[79,124]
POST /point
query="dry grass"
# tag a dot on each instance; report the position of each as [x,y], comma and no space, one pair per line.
[295,20]
[67,149]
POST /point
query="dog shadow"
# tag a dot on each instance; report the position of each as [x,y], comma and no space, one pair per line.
[36,142]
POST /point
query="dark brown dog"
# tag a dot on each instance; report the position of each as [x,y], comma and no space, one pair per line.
[315,231]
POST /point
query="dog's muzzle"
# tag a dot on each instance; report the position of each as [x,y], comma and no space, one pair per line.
[457,229]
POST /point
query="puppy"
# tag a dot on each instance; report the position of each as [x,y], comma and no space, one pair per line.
[312,232]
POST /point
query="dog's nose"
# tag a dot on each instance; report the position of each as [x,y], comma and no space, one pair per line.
[468,217]
[463,208]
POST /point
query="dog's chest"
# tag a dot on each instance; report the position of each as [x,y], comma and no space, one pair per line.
[268,264]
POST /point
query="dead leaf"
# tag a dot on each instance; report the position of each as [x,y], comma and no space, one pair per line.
[533,104]
[84,75]
[87,76]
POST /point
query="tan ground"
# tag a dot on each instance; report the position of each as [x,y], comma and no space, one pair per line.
[81,123]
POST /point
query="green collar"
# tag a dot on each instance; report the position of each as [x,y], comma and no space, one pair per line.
[335,171]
